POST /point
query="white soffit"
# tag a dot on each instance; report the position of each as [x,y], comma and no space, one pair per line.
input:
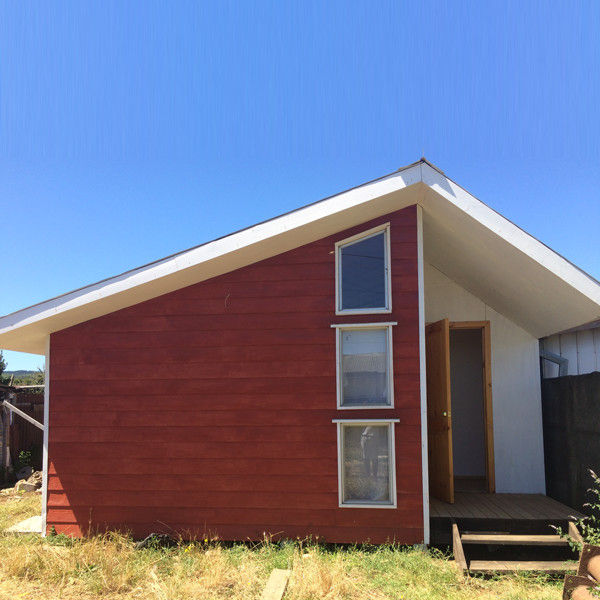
[481,250]
[504,266]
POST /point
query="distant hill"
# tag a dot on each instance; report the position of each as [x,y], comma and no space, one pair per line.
[22,377]
[20,373]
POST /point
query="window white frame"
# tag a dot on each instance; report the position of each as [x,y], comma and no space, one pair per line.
[385,228]
[339,328]
[391,461]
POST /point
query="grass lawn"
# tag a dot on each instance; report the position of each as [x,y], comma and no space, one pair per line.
[109,567]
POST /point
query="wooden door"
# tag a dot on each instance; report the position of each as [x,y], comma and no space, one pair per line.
[439,417]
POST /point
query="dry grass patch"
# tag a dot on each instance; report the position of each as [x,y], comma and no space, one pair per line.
[110,568]
[395,573]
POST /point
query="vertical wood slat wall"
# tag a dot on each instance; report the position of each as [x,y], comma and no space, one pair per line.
[208,411]
[581,348]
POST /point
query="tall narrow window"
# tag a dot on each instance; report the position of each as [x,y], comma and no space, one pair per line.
[363,273]
[366,463]
[364,366]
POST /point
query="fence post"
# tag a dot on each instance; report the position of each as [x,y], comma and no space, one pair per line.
[4,422]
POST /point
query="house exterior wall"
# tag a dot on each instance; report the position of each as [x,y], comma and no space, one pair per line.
[208,411]
[516,395]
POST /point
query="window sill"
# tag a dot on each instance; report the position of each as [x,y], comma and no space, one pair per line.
[357,505]
[364,311]
[367,407]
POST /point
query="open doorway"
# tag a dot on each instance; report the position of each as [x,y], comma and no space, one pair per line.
[459,408]
[467,414]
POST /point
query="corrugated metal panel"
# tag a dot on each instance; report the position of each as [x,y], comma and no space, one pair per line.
[551,344]
[586,352]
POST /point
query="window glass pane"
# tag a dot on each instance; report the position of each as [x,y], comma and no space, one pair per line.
[366,464]
[363,279]
[364,357]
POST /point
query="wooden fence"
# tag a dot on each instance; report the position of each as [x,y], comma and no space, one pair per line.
[21,435]
[571,413]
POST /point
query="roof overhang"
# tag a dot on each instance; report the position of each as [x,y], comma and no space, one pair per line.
[511,271]
[530,284]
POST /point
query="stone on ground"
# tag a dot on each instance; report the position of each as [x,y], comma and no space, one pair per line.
[31,525]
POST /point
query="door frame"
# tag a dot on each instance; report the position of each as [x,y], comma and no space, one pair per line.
[488,412]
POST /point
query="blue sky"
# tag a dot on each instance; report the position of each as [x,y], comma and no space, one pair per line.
[129,131]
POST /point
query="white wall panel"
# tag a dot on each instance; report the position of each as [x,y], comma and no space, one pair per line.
[586,353]
[568,350]
[518,439]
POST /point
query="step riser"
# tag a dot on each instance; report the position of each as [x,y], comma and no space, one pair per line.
[440,528]
[550,567]
[513,540]
[499,552]
[518,553]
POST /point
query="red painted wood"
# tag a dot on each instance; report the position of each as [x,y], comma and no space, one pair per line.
[207,411]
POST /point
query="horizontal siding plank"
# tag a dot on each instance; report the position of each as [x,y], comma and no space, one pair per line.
[264,321]
[208,450]
[199,338]
[375,517]
[133,387]
[207,418]
[242,401]
[309,481]
[238,304]
[185,433]
[178,466]
[337,534]
[205,502]
[213,370]
[190,355]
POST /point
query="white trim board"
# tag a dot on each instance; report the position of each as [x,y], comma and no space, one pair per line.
[449,211]
[385,229]
[387,327]
[46,436]
[391,462]
[423,378]
[363,325]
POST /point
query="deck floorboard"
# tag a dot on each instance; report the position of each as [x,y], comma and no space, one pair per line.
[479,505]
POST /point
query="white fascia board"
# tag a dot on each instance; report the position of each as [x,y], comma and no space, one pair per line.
[25,330]
[511,233]
[268,238]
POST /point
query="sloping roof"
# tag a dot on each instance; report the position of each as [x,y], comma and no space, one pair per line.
[471,243]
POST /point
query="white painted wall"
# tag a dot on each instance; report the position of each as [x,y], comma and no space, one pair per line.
[518,437]
[581,348]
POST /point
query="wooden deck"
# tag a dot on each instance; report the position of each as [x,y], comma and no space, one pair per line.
[508,513]
[473,505]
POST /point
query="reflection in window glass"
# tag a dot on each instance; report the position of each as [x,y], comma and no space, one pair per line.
[363,273]
[366,464]
[364,367]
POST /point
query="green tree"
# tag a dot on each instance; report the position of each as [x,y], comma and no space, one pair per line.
[2,366]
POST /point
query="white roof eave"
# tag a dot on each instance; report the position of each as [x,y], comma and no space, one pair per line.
[26,330]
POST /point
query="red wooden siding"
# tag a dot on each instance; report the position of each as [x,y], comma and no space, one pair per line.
[208,410]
